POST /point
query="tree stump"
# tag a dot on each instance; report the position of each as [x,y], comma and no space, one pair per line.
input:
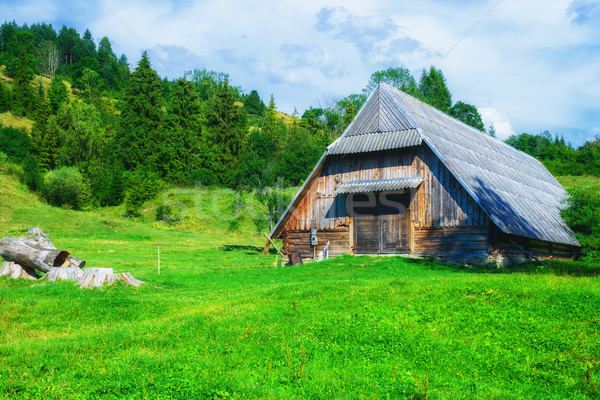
[16,271]
[64,274]
[97,277]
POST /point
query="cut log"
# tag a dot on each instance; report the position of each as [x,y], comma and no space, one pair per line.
[33,252]
[96,277]
[73,262]
[16,271]
[64,273]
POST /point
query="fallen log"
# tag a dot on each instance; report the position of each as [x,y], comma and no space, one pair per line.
[33,252]
[16,271]
[73,262]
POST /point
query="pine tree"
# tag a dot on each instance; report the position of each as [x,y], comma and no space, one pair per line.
[181,140]
[58,94]
[273,127]
[227,129]
[23,94]
[434,90]
[44,138]
[5,97]
[141,118]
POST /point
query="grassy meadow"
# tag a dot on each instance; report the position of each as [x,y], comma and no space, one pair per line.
[220,322]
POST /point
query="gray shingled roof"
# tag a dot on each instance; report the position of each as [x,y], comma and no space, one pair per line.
[380,185]
[517,192]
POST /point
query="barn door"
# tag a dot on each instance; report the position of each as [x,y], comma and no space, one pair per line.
[394,222]
[381,223]
[366,224]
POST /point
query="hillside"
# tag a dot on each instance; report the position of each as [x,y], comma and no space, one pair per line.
[105,239]
[220,322]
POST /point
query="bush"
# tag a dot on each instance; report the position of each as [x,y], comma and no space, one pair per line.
[65,186]
[583,216]
[167,214]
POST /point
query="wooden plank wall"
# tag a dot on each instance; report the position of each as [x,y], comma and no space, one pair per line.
[540,249]
[458,242]
[299,242]
[441,201]
[439,204]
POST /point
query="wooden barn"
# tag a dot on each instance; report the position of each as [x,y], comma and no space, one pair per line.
[407,178]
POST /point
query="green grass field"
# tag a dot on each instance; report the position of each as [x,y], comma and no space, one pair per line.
[220,322]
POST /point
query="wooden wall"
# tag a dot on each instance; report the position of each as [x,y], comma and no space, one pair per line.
[299,242]
[511,248]
[441,209]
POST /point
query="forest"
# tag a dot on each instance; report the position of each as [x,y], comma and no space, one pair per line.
[102,133]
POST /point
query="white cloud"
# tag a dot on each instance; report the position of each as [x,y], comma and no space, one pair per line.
[500,120]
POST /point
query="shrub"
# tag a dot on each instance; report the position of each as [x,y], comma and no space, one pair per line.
[167,213]
[65,186]
[583,216]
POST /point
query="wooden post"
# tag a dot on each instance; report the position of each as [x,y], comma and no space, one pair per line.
[158,255]
[271,241]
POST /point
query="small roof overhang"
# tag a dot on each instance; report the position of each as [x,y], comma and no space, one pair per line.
[380,185]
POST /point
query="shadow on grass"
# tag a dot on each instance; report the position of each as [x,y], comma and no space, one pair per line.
[558,268]
[249,250]
[552,267]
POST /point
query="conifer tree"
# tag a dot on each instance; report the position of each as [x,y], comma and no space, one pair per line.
[23,94]
[227,129]
[182,139]
[434,90]
[141,118]
[44,137]
[57,95]
[5,97]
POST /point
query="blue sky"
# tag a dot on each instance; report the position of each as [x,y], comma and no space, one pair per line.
[528,66]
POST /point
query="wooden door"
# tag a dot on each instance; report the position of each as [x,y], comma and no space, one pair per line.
[366,224]
[381,223]
[394,222]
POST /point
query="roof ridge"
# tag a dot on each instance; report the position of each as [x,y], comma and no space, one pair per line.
[455,120]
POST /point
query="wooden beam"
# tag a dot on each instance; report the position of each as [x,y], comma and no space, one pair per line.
[271,241]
